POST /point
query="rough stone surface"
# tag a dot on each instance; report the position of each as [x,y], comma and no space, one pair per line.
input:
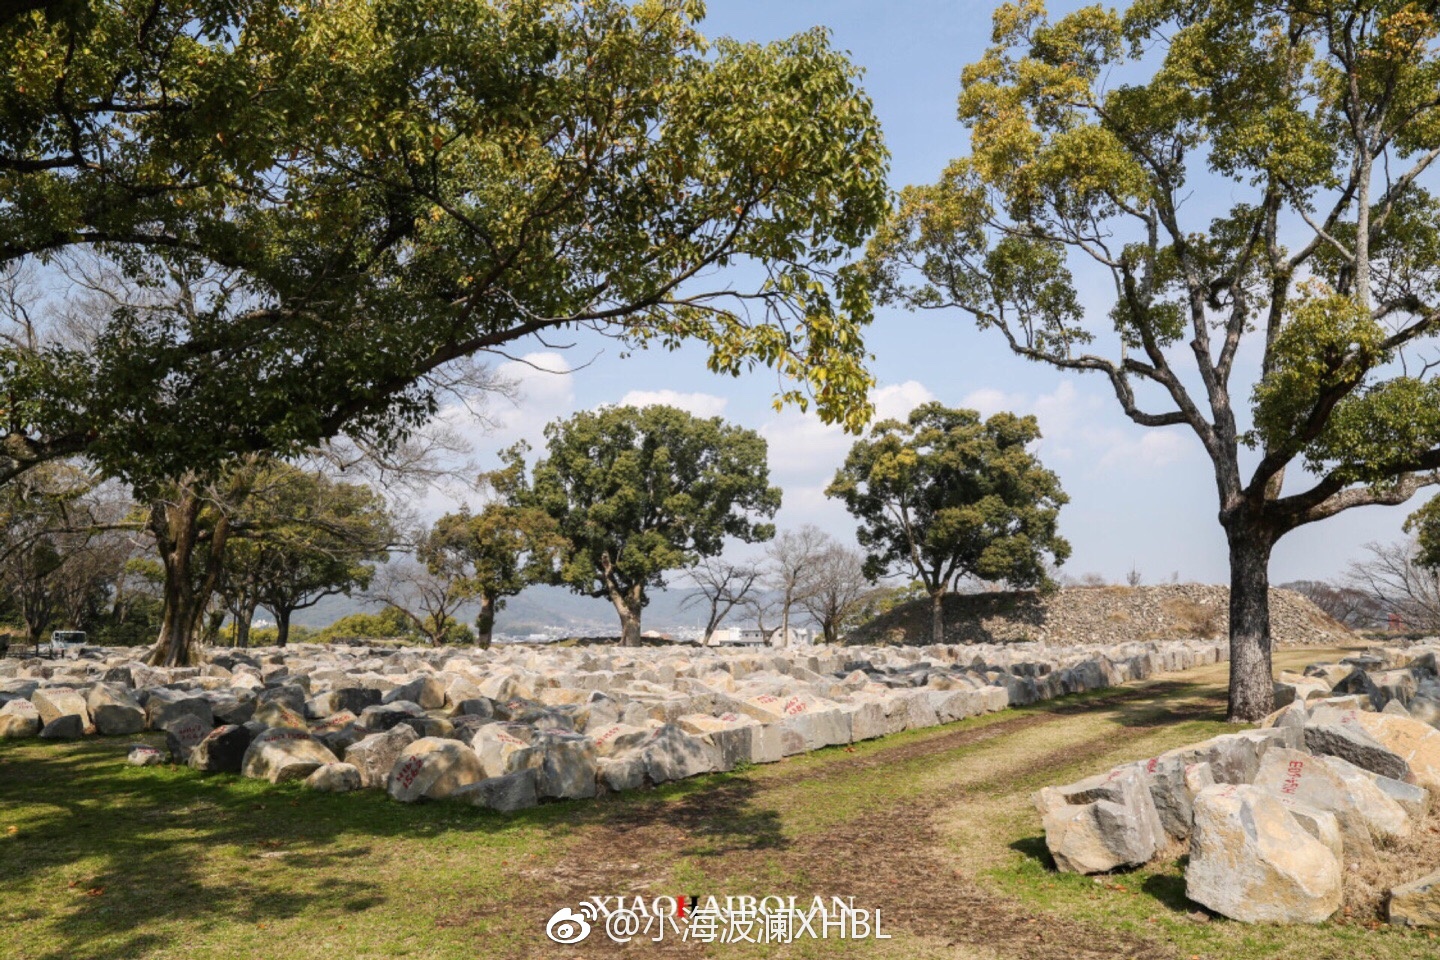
[71,726]
[56,702]
[222,751]
[281,754]
[433,768]
[334,778]
[114,711]
[507,794]
[1252,860]
[19,719]
[144,755]
[1101,824]
[1417,903]
[375,756]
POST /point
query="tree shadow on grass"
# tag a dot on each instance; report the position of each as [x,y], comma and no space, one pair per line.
[124,861]
[1156,704]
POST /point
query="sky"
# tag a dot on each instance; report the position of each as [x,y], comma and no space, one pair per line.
[1140,498]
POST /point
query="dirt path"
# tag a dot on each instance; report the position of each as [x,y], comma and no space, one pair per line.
[906,826]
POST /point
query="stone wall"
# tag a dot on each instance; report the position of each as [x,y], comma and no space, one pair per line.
[1084,615]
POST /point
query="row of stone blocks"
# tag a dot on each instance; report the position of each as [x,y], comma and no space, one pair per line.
[515,727]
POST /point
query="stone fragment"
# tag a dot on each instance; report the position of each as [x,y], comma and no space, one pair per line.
[334,778]
[144,755]
[1417,903]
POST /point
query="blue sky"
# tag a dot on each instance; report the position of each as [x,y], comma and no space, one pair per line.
[1139,496]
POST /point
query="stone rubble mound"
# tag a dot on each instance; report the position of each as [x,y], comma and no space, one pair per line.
[1272,816]
[514,726]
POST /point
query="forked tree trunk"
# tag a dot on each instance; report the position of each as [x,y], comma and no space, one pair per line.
[1252,690]
[485,622]
[177,529]
[628,605]
[282,625]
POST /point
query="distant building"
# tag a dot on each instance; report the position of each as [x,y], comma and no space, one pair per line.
[755,637]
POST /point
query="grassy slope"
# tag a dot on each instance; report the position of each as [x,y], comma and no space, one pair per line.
[101,860]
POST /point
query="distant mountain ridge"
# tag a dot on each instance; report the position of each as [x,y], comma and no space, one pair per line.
[544,608]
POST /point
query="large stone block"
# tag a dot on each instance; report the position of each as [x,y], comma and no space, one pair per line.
[114,711]
[19,719]
[280,755]
[507,794]
[56,702]
[164,707]
[1251,859]
[504,748]
[672,754]
[433,768]
[567,765]
[376,755]
[1102,823]
[222,750]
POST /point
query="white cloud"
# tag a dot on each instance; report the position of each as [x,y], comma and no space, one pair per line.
[802,446]
[897,400]
[699,404]
[989,401]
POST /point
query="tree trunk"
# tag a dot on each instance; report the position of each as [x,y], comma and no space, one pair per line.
[937,614]
[282,626]
[176,527]
[1252,691]
[243,615]
[628,605]
[485,622]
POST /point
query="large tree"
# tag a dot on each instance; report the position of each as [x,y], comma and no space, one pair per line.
[945,495]
[500,551]
[356,195]
[638,492]
[1246,178]
[305,536]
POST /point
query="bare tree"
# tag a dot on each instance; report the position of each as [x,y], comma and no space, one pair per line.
[791,559]
[1398,585]
[721,587]
[1355,608]
[1134,577]
[836,589]
[429,595]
